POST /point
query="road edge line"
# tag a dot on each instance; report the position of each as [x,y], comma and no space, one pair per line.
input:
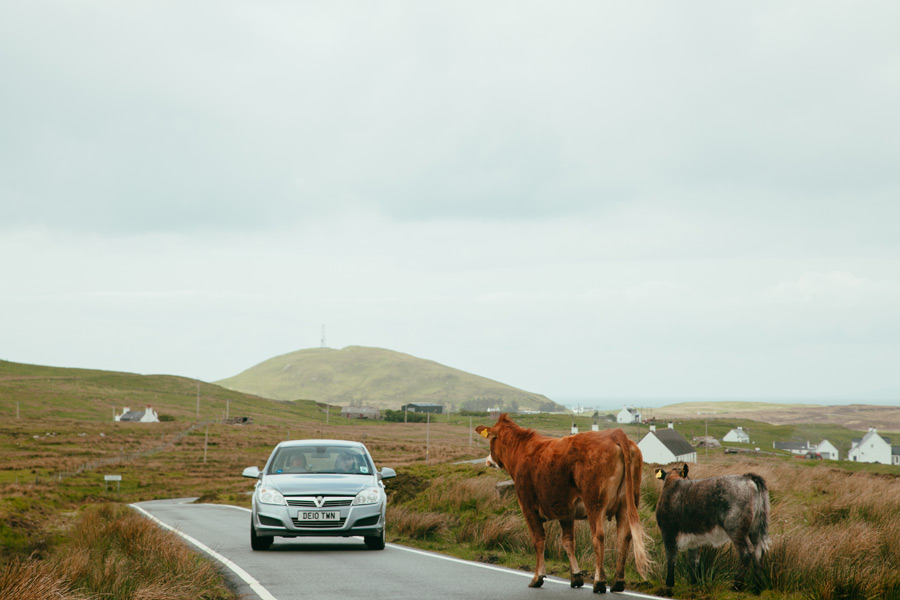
[255,585]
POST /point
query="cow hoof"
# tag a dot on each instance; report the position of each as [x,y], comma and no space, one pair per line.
[536,582]
[600,587]
[577,580]
[618,586]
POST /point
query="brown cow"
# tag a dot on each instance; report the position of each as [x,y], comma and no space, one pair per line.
[594,475]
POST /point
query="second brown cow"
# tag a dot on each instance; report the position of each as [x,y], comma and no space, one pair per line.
[593,475]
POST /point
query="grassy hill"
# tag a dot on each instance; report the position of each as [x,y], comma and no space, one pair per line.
[376,377]
[92,395]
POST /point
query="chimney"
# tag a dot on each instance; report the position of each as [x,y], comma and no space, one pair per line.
[671,425]
[653,428]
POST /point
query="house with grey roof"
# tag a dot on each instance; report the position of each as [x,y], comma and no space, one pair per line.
[628,415]
[147,415]
[800,448]
[872,448]
[666,446]
[737,435]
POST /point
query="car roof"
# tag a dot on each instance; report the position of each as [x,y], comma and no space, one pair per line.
[296,443]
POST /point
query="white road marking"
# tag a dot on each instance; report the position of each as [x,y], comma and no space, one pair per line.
[256,586]
[501,569]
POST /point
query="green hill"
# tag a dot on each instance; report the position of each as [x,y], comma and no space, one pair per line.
[376,377]
[85,394]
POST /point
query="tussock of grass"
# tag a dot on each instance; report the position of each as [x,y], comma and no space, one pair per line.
[416,525]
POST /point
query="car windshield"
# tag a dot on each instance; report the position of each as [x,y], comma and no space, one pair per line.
[320,459]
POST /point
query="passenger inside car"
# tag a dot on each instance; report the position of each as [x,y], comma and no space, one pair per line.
[345,463]
[296,463]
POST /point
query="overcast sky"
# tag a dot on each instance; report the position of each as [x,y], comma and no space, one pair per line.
[578,199]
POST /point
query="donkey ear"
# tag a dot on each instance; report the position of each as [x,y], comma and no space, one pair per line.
[660,474]
[483,431]
[684,471]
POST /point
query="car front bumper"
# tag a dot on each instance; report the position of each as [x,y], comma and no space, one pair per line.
[282,521]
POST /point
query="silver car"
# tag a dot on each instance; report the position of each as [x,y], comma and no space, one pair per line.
[318,488]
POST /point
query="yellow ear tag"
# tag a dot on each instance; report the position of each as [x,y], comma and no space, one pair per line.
[659,474]
[484,433]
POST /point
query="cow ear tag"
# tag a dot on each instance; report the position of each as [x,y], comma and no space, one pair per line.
[484,433]
[660,473]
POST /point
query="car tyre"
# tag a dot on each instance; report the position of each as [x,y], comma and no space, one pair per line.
[375,542]
[258,542]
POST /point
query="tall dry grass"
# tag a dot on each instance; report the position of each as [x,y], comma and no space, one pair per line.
[115,554]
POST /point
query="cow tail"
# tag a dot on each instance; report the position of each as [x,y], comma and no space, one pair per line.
[641,559]
[759,527]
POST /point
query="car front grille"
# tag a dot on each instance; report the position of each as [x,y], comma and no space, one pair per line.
[310,501]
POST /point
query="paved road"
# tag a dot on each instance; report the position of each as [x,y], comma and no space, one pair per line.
[341,568]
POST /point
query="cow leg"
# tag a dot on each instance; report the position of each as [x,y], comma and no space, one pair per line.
[568,541]
[623,535]
[539,537]
[597,522]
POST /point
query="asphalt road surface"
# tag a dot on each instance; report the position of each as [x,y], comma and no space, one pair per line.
[341,568]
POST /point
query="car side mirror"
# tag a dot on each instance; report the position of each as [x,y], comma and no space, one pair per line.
[387,473]
[251,472]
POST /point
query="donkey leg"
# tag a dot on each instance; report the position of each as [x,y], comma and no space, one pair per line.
[745,552]
[568,541]
[671,546]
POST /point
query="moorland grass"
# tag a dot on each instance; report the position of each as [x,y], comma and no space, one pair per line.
[833,524]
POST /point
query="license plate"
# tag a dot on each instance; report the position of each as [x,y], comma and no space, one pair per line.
[319,515]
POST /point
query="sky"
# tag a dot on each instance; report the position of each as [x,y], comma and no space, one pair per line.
[578,199]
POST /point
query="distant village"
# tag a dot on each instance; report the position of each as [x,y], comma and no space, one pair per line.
[659,446]
[664,446]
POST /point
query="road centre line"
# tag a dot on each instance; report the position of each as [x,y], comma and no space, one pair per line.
[255,585]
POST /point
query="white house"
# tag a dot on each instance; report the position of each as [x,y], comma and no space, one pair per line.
[138,416]
[872,448]
[666,446]
[628,415]
[737,435]
[827,450]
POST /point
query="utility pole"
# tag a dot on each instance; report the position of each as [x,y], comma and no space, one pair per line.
[198,399]
[427,437]
[205,444]
[470,431]
[227,407]
[17,411]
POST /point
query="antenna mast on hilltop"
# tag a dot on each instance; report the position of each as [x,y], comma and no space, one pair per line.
[323,335]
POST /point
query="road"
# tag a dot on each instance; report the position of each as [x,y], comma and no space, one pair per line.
[340,568]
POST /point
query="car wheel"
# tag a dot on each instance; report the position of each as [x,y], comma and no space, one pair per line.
[375,542]
[259,542]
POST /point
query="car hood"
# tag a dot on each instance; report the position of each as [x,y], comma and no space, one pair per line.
[306,484]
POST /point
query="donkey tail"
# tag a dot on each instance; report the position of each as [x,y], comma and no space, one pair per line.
[633,468]
[759,526]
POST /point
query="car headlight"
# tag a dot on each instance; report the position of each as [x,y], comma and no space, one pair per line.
[270,496]
[368,496]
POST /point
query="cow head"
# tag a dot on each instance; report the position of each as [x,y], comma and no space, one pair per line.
[491,434]
[682,474]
